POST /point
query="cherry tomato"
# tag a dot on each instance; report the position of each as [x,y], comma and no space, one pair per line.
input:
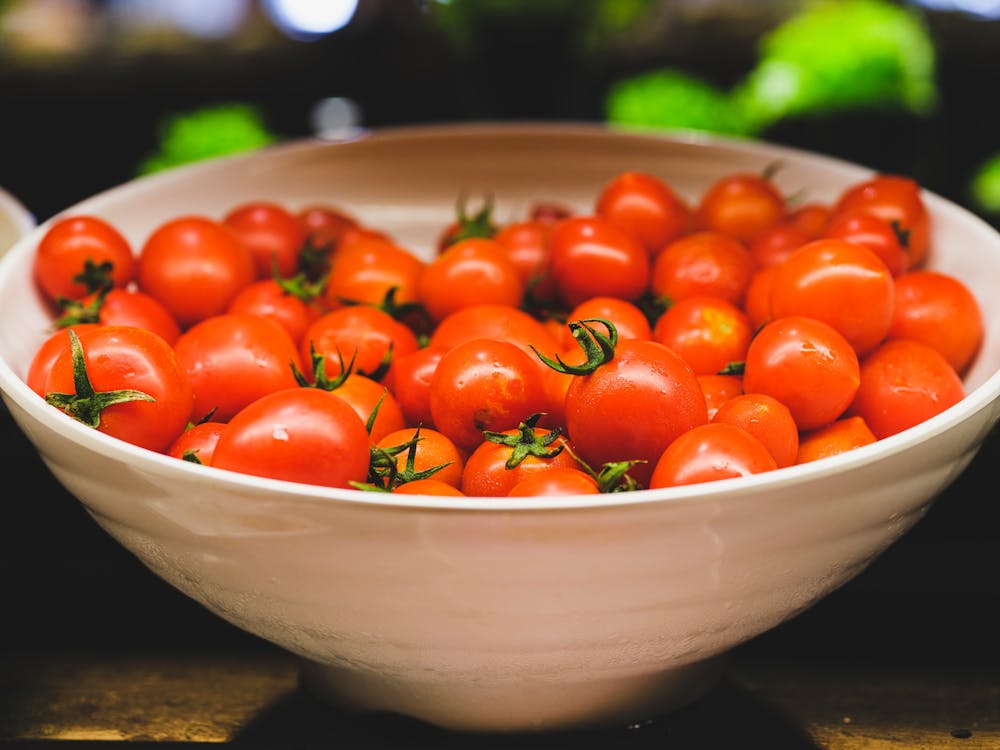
[489,321]
[709,333]
[703,263]
[874,233]
[195,266]
[757,300]
[777,242]
[558,480]
[718,389]
[941,311]
[840,436]
[197,443]
[811,217]
[741,205]
[233,359]
[54,345]
[627,317]
[325,225]
[644,206]
[432,450]
[897,200]
[591,257]
[366,335]
[767,419]
[365,272]
[844,284]
[369,398]
[631,406]
[527,246]
[78,255]
[904,383]
[299,435]
[409,379]
[499,463]
[283,301]
[140,366]
[272,233]
[710,452]
[805,364]
[122,307]
[484,384]
[430,486]
[470,272]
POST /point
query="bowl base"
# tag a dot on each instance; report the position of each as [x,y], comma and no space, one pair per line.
[511,706]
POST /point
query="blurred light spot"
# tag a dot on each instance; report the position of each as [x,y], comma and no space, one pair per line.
[336,118]
[215,20]
[989,9]
[309,19]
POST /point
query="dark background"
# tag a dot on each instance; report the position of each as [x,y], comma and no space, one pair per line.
[70,130]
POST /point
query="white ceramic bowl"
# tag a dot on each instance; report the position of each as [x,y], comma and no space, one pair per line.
[501,614]
[15,220]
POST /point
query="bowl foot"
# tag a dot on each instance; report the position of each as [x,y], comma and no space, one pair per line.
[510,705]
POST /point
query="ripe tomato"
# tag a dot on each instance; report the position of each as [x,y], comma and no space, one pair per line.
[904,383]
[272,233]
[628,318]
[757,300]
[154,396]
[844,284]
[502,460]
[431,450]
[741,205]
[324,224]
[644,206]
[366,335]
[489,321]
[811,217]
[805,364]
[941,311]
[631,406]
[48,352]
[233,359]
[710,452]
[527,246]
[470,272]
[287,302]
[558,480]
[365,272]
[298,435]
[122,307]
[703,263]
[874,233]
[410,382]
[484,384]
[840,436]
[430,486]
[897,200]
[197,443]
[767,419]
[371,401]
[78,255]
[718,389]
[195,266]
[709,333]
[777,242]
[591,257]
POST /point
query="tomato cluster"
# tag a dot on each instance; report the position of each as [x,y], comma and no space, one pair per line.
[653,340]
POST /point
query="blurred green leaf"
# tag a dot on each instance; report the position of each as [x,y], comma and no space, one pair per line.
[985,186]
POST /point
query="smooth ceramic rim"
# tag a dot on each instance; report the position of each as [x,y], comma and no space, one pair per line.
[20,217]
[720,490]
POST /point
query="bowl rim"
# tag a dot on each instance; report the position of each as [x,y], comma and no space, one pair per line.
[15,390]
[23,220]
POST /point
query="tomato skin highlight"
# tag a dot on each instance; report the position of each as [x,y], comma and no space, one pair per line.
[298,435]
[711,452]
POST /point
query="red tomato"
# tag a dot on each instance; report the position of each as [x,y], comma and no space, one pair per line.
[270,298]
[501,462]
[484,384]
[904,383]
[629,408]
[78,255]
[811,217]
[116,359]
[757,300]
[365,272]
[197,443]
[527,246]
[325,225]
[805,364]
[122,307]
[709,333]
[272,233]
[777,242]
[233,359]
[431,450]
[474,271]
[591,257]
[644,206]
[48,352]
[298,435]
[844,284]
[718,389]
[897,200]
[365,396]
[840,436]
[558,480]
[941,311]
[703,263]
[195,266]
[627,317]
[366,334]
[488,321]
[767,419]
[710,452]
[410,382]
[741,205]
[430,486]
[874,233]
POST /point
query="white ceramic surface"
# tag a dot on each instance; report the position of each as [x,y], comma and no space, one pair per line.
[501,614]
[15,220]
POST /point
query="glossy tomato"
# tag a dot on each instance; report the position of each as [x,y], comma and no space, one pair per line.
[122,307]
[741,205]
[272,233]
[366,336]
[469,272]
[79,255]
[420,451]
[843,435]
[701,263]
[558,480]
[645,206]
[41,362]
[197,443]
[767,419]
[709,333]
[291,303]
[710,452]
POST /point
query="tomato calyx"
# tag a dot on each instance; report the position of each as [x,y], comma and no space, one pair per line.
[733,368]
[384,473]
[301,285]
[314,258]
[87,404]
[325,382]
[525,442]
[77,311]
[599,347]
[96,276]
[479,224]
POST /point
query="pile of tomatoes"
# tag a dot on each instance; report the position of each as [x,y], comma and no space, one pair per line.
[650,341]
